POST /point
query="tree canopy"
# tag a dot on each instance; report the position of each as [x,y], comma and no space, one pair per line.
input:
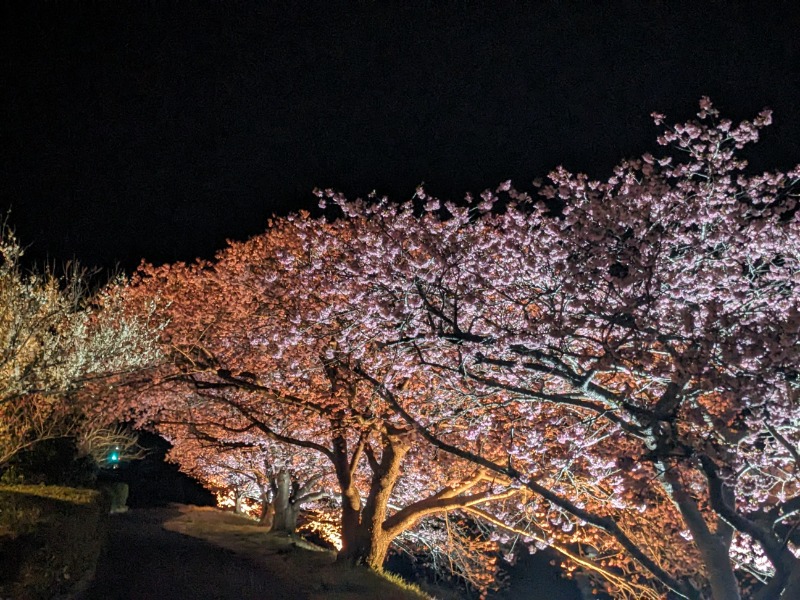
[608,368]
[58,337]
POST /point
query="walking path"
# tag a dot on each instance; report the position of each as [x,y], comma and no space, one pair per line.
[143,561]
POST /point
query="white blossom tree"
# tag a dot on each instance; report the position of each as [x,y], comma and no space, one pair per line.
[57,336]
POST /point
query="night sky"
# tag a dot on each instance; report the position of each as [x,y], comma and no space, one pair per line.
[157,130]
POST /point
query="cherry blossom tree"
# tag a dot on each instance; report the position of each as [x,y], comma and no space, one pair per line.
[279,480]
[642,333]
[251,358]
[608,368]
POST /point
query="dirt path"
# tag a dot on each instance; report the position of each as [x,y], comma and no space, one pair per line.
[142,561]
[207,554]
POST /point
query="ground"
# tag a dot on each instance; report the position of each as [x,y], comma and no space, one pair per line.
[183,553]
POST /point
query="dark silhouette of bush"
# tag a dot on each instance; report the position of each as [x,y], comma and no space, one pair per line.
[50,539]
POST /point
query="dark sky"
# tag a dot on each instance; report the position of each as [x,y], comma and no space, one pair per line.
[133,129]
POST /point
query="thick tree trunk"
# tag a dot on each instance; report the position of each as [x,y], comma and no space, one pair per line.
[367,547]
[792,589]
[353,535]
[267,514]
[286,510]
[375,555]
[365,541]
[345,466]
[285,521]
[351,524]
[237,504]
[712,548]
[724,585]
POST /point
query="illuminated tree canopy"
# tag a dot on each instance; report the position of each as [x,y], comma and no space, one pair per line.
[254,365]
[608,368]
[57,338]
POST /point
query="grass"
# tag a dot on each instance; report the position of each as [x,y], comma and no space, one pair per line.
[50,538]
[309,570]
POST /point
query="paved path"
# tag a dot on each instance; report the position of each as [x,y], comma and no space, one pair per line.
[142,561]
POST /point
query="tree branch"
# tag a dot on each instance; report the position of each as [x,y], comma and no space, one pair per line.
[683,589]
[406,517]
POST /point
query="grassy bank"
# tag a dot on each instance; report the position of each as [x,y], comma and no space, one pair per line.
[50,538]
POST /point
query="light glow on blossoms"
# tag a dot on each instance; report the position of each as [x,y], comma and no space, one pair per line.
[246,506]
[323,525]
[609,365]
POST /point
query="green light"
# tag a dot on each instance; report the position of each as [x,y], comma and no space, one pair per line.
[114,457]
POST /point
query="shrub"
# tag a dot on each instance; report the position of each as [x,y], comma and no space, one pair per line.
[50,538]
